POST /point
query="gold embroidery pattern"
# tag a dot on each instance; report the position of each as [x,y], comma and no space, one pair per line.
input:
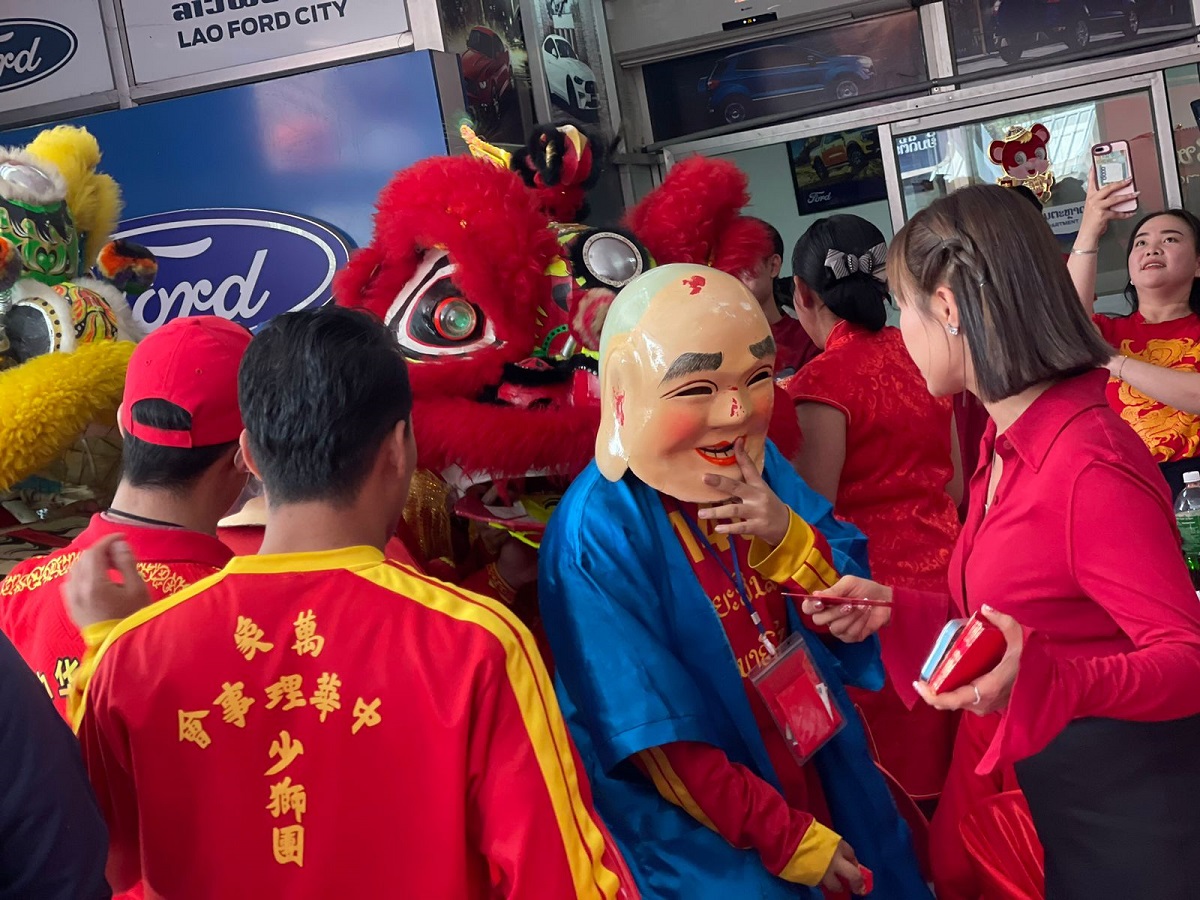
[35,578]
[159,577]
[1169,433]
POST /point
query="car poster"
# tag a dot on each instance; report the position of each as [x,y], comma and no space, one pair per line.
[834,170]
[781,75]
[992,34]
[488,38]
[571,59]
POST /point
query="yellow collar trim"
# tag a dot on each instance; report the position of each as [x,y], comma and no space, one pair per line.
[314,561]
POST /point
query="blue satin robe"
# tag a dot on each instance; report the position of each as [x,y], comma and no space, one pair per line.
[642,660]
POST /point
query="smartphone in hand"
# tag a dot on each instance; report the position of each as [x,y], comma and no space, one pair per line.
[1114,164]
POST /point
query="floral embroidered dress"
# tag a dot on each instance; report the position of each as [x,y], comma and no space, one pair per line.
[893,487]
[1170,434]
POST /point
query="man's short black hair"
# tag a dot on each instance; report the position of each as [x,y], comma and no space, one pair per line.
[320,390]
[777,248]
[174,468]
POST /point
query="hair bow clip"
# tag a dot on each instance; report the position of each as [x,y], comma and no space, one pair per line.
[873,263]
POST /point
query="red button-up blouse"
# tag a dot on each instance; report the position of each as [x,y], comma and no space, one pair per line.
[1080,547]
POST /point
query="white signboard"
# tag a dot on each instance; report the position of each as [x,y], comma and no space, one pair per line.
[172,38]
[51,50]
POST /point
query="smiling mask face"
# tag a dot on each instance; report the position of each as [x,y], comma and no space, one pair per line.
[686,367]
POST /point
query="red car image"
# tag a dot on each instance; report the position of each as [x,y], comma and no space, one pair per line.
[486,72]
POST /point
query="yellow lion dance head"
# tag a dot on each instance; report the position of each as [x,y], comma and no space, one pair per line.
[65,335]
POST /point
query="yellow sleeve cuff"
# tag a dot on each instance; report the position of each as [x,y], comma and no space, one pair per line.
[796,559]
[94,636]
[811,860]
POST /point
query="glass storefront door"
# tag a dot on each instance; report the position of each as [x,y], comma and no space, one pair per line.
[1048,147]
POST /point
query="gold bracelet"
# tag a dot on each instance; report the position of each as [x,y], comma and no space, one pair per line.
[1085,252]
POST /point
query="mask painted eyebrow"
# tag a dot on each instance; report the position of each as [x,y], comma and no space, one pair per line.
[763,348]
[691,363]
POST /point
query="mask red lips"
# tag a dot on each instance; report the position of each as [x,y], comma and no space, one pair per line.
[719,454]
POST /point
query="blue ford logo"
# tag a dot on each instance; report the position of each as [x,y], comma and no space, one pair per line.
[32,49]
[247,265]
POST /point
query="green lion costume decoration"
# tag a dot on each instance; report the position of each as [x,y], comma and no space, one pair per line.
[65,335]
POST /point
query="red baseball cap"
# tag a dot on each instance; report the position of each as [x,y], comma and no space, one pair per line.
[193,363]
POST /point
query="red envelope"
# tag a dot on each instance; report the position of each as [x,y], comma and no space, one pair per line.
[976,650]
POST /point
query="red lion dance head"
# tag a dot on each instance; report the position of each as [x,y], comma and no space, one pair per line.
[497,303]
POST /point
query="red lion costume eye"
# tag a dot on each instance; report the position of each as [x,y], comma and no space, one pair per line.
[432,319]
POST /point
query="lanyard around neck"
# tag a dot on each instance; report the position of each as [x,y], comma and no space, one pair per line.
[735,576]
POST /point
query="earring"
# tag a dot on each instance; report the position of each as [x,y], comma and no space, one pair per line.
[953,329]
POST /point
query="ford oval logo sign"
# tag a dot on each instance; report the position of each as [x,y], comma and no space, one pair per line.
[247,265]
[32,49]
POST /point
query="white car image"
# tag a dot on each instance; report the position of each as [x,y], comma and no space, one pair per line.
[570,80]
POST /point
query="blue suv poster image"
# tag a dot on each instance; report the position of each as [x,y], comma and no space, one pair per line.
[835,170]
[781,75]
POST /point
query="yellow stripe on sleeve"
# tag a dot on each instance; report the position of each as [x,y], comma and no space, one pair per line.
[797,558]
[531,685]
[811,860]
[672,786]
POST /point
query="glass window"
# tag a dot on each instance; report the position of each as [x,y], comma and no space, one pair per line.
[1049,150]
[990,34]
[1183,94]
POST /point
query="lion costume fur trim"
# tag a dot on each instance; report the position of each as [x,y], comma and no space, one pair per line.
[49,401]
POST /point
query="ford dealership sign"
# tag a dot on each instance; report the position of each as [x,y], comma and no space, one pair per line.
[32,49]
[246,265]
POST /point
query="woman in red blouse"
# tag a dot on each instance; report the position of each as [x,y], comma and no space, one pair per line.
[1164,326]
[1070,548]
[878,446]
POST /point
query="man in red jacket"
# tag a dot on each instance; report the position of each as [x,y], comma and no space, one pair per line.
[181,471]
[325,722]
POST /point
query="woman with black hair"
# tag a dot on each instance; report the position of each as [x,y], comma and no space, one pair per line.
[1160,338]
[880,448]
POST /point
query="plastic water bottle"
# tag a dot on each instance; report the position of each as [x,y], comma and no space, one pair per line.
[1187,514]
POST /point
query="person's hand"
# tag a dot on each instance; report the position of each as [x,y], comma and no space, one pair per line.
[843,872]
[516,563]
[754,507]
[846,622]
[994,687]
[91,596]
[1098,210]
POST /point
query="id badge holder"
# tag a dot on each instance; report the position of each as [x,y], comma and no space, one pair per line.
[798,698]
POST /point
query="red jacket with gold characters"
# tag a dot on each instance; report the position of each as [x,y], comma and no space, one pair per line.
[32,614]
[333,724]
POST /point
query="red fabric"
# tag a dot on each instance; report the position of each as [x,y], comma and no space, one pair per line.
[34,618]
[1080,547]
[801,785]
[1004,848]
[742,808]
[793,347]
[954,875]
[466,811]
[1170,434]
[893,488]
